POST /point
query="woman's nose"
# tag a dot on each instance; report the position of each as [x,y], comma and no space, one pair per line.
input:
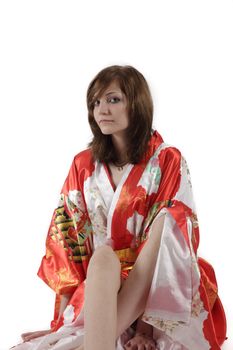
[103,107]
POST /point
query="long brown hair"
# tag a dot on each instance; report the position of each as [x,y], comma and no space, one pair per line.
[140,111]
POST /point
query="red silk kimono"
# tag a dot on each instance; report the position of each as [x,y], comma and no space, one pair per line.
[183,304]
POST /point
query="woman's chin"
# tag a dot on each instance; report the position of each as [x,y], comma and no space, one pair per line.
[106,131]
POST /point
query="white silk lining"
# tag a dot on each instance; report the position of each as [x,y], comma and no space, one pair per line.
[171,288]
[174,307]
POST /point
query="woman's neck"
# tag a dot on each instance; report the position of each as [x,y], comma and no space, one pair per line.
[120,146]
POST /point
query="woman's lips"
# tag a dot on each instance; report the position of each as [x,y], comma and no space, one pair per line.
[106,121]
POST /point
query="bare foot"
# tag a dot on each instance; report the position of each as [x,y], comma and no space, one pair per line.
[32,335]
[140,341]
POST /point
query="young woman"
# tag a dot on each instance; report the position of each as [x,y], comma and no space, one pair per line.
[123,239]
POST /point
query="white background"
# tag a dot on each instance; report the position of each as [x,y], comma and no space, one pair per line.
[50,51]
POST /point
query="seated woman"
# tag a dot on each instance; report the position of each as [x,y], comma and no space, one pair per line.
[123,239]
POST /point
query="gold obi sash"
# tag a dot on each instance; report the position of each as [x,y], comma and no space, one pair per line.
[127,258]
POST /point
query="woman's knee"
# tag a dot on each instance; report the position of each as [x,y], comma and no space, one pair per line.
[105,258]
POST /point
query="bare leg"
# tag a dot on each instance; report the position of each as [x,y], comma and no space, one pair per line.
[100,311]
[107,313]
[133,295]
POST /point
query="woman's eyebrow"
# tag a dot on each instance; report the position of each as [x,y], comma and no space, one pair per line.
[111,92]
[108,93]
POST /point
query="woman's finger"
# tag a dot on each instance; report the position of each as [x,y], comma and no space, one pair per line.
[131,346]
[141,347]
[149,347]
[128,345]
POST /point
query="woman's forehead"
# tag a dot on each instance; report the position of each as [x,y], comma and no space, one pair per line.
[113,87]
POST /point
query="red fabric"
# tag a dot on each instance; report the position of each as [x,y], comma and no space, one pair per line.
[69,244]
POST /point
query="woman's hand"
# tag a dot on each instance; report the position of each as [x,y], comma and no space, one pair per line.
[32,335]
[140,342]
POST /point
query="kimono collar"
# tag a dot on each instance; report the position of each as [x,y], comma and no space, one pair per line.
[154,142]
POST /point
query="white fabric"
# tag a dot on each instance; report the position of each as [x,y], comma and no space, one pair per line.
[173,307]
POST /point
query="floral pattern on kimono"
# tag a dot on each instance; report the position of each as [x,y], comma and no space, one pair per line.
[183,305]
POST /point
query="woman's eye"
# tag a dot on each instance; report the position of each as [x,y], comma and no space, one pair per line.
[113,99]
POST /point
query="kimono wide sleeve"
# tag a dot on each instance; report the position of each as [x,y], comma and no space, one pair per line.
[183,297]
[69,240]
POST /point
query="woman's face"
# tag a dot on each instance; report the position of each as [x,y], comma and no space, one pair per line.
[110,111]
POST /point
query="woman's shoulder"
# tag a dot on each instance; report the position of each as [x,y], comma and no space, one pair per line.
[83,154]
[171,157]
[168,152]
[84,159]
